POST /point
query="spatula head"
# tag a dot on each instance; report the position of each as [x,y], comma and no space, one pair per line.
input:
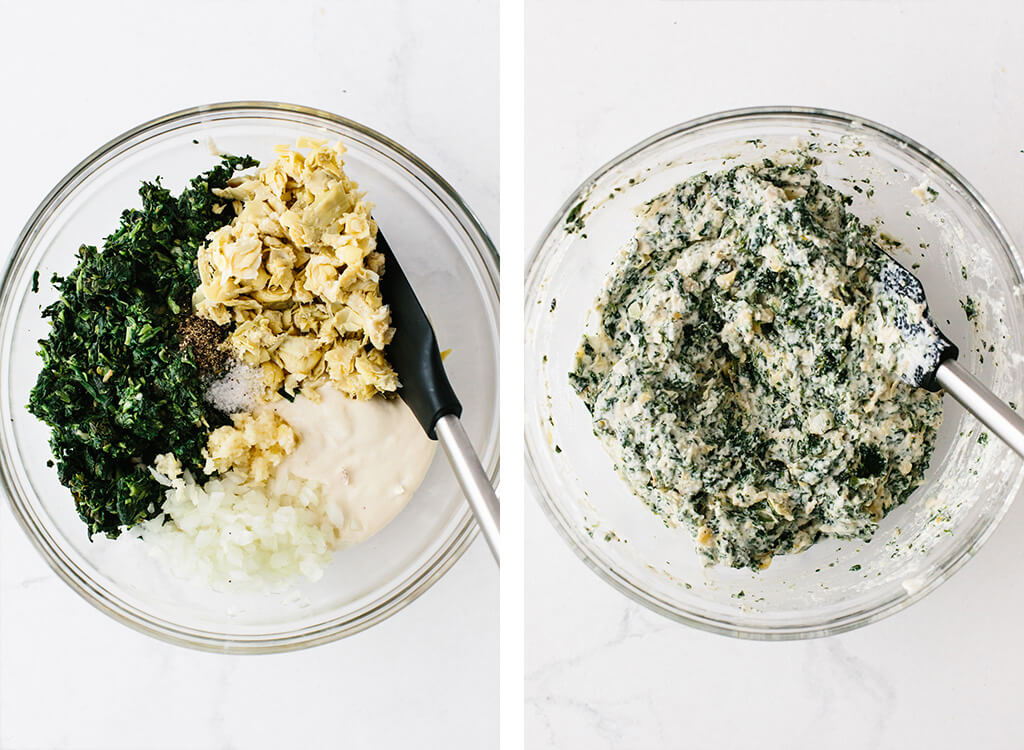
[924,346]
[413,351]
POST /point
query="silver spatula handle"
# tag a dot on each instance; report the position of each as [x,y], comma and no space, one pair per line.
[472,478]
[982,403]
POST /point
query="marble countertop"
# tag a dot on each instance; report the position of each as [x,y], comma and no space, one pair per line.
[603,672]
[75,75]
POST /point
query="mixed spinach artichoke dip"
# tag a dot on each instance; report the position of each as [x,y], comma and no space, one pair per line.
[742,371]
[215,378]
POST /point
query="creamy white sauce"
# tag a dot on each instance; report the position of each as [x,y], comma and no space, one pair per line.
[370,456]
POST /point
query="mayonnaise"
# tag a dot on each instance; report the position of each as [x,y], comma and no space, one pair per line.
[370,456]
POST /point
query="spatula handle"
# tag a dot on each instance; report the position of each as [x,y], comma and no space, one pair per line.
[982,403]
[413,351]
[471,477]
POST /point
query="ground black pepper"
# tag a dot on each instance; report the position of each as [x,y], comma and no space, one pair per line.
[204,338]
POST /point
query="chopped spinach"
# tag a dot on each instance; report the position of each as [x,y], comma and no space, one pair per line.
[115,387]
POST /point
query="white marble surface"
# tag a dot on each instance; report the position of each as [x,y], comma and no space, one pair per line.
[605,673]
[73,75]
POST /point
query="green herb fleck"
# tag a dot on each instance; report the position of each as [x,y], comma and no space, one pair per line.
[970,308]
[574,219]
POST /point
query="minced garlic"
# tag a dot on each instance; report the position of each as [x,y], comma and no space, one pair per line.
[253,446]
[168,465]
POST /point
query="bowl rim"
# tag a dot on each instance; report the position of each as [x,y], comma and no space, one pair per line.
[373,612]
[535,480]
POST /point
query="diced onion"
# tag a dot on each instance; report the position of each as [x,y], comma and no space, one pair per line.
[230,534]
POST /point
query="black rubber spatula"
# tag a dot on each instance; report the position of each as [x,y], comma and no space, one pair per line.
[425,389]
[931,357]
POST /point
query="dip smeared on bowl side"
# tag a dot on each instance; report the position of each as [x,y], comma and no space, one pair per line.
[742,369]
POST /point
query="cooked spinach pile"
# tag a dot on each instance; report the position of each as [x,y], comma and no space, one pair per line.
[116,388]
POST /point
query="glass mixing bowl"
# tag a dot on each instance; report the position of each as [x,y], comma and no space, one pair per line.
[452,265]
[836,585]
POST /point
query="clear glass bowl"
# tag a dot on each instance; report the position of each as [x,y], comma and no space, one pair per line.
[836,585]
[453,267]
